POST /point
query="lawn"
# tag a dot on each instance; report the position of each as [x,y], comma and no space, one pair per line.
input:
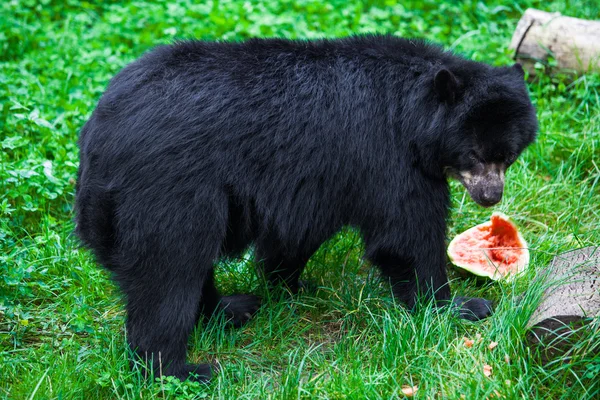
[61,319]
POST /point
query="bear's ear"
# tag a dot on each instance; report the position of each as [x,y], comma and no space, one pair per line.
[446,85]
[519,68]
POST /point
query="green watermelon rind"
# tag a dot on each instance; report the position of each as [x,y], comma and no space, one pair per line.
[474,268]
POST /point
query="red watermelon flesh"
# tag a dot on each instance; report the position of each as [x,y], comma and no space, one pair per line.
[494,249]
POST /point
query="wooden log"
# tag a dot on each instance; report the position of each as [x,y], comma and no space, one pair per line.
[571,300]
[573,43]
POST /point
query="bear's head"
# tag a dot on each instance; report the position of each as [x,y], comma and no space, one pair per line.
[489,121]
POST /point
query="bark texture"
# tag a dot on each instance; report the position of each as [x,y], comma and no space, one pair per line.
[574,43]
[571,300]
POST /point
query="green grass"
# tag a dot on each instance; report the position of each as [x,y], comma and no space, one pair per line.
[61,319]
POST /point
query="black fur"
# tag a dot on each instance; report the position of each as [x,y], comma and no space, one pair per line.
[199,149]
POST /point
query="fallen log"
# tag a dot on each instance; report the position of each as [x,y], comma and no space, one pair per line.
[573,43]
[570,301]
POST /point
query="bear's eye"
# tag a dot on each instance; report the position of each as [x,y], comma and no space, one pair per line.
[474,158]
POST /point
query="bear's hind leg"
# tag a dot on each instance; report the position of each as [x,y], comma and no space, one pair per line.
[161,312]
[238,308]
[281,267]
[282,271]
[166,257]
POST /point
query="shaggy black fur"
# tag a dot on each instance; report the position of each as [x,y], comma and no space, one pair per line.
[199,149]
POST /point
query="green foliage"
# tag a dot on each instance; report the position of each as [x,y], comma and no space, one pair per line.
[61,320]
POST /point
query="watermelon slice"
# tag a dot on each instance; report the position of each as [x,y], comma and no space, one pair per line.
[494,249]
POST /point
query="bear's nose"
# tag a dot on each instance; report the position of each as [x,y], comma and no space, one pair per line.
[491,195]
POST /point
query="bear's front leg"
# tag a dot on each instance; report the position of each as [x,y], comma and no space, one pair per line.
[412,276]
[414,261]
[473,308]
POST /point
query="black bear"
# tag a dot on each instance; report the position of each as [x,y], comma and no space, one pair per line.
[198,150]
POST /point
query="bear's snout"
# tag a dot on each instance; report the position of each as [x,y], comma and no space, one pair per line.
[489,196]
[485,183]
